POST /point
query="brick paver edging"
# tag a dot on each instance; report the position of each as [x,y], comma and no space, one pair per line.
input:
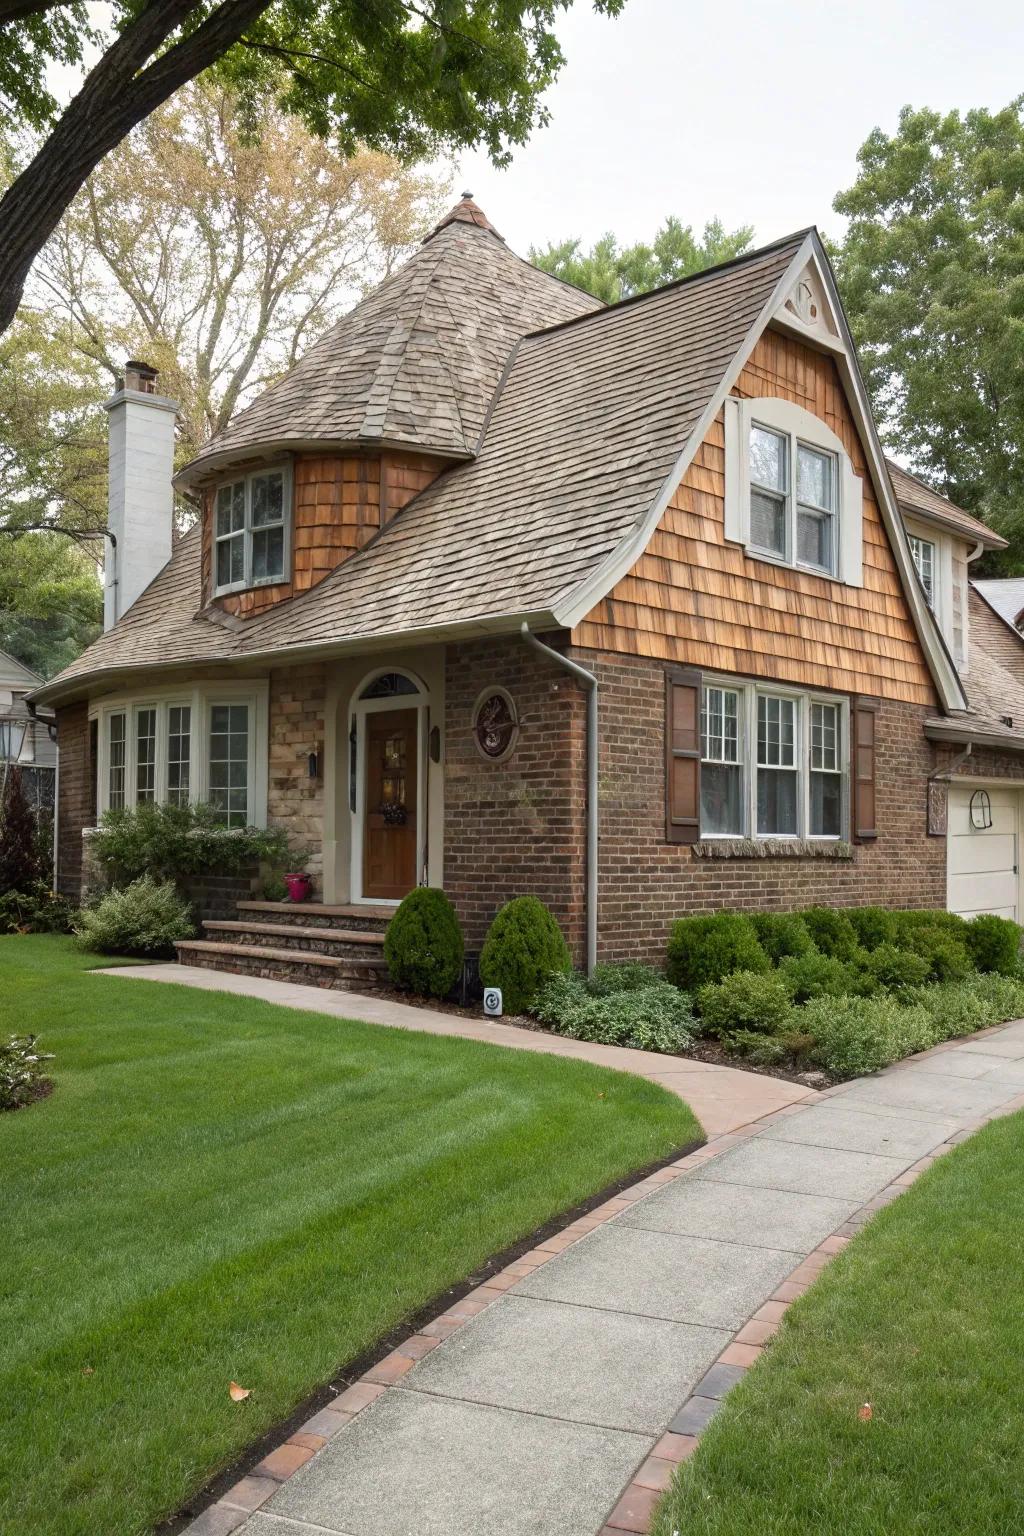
[634,1511]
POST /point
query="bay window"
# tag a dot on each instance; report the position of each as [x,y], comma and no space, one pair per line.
[251,519]
[208,744]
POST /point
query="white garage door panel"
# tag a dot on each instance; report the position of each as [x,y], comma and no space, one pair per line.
[981,863]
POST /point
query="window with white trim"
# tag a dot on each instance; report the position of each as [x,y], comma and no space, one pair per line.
[251,530]
[116,760]
[145,755]
[229,763]
[923,551]
[179,753]
[774,762]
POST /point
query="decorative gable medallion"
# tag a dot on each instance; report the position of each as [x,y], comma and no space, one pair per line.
[808,305]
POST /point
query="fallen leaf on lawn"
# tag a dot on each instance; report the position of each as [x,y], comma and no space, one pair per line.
[600,1095]
[238,1394]
[864,1412]
[87,1370]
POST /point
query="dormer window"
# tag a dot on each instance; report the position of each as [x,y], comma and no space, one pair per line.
[923,551]
[251,523]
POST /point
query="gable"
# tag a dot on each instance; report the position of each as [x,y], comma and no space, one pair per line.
[695,597]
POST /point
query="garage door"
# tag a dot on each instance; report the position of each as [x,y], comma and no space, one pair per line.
[981,871]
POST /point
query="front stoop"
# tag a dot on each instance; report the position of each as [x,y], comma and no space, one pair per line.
[308,942]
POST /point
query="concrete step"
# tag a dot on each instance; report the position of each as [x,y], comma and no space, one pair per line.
[300,965]
[371,918]
[358,943]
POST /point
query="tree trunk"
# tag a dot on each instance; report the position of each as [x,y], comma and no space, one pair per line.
[114,98]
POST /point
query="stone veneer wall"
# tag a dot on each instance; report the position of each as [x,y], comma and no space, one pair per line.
[514,828]
[295,802]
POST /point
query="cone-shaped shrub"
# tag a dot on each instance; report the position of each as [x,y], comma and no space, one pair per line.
[423,946]
[524,946]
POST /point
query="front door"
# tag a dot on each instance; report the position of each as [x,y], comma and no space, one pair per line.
[389,826]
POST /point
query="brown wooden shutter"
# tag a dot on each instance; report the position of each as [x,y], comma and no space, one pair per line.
[865,726]
[682,756]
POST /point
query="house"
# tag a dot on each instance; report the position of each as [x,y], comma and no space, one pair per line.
[26,736]
[505,591]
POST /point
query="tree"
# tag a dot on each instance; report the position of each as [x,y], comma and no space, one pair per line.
[20,864]
[218,254]
[612,273]
[932,276]
[395,75]
[51,601]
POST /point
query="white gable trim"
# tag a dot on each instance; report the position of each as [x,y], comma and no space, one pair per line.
[572,606]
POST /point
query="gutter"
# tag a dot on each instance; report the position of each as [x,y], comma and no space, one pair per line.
[959,735]
[590,683]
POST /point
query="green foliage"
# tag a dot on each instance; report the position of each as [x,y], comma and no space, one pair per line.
[173,841]
[993,944]
[21,1077]
[611,272]
[936,943]
[781,934]
[744,1001]
[855,1035]
[20,863]
[523,947]
[894,968]
[37,910]
[647,1015]
[931,270]
[144,918]
[832,931]
[628,976]
[423,946]
[51,602]
[818,975]
[873,926]
[703,949]
[274,888]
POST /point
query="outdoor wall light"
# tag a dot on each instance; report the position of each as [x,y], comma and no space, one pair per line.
[313,764]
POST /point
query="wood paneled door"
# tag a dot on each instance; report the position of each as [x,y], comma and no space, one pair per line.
[389,827]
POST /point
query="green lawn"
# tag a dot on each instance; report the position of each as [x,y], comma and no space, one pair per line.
[922,1317]
[222,1189]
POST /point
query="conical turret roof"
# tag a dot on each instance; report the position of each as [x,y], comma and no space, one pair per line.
[416,362]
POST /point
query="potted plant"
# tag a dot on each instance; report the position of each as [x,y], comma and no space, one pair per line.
[299,886]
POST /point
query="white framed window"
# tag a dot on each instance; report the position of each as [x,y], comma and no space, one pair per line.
[774,762]
[252,530]
[791,495]
[923,551]
[210,744]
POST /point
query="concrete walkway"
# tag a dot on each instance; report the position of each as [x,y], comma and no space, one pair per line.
[722,1098]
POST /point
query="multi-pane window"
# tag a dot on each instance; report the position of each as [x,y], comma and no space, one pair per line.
[116,761]
[250,528]
[721,777]
[777,773]
[179,753]
[792,517]
[229,763]
[145,755]
[826,775]
[923,551]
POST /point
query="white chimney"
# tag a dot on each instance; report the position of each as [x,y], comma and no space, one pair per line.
[140,515]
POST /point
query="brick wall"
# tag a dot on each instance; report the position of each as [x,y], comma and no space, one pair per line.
[75,809]
[514,828]
[295,802]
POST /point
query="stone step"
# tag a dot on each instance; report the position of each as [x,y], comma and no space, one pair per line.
[371,918]
[300,965]
[359,943]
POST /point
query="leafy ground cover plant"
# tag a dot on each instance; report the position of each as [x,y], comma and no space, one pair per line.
[854,1035]
[523,947]
[646,1014]
[423,946]
[21,1076]
[144,918]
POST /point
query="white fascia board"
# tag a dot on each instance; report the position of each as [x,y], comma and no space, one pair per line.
[572,606]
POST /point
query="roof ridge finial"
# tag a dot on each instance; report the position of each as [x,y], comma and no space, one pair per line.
[466,211]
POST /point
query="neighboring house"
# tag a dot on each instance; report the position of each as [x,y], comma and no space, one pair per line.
[481,482]
[26,738]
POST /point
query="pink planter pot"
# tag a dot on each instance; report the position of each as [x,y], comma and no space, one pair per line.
[299,887]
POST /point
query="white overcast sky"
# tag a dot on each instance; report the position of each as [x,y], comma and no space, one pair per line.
[746,109]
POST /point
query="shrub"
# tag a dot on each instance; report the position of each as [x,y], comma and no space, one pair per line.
[20,865]
[169,842]
[854,1035]
[993,944]
[1001,996]
[703,949]
[746,1000]
[944,952]
[629,976]
[144,918]
[818,975]
[274,888]
[873,926]
[523,947]
[423,947]
[894,968]
[832,931]
[654,1017]
[910,922]
[37,910]
[781,934]
[21,1080]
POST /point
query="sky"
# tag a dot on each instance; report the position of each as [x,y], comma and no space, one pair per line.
[743,109]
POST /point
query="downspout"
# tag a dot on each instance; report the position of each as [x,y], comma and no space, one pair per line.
[589,682]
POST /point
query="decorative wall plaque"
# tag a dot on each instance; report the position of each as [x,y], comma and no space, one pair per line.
[495,725]
[981,810]
[938,808]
